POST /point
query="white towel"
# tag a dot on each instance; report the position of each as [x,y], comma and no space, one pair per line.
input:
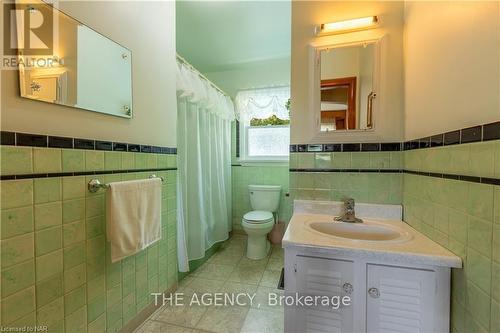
[133,220]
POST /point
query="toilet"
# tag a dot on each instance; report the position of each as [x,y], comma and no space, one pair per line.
[257,223]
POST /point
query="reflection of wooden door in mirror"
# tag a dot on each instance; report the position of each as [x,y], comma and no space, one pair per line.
[340,94]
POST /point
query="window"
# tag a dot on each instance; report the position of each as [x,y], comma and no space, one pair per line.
[264,121]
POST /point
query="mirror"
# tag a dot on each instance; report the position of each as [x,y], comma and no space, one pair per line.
[82,68]
[347,87]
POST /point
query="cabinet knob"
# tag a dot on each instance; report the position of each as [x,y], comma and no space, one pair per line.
[348,289]
[374,292]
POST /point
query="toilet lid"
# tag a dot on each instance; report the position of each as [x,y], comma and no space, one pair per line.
[258,216]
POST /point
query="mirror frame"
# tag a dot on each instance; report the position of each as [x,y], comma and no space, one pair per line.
[315,49]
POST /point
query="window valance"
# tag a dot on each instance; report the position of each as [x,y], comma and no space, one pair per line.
[263,103]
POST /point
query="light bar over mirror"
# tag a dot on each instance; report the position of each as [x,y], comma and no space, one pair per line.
[340,27]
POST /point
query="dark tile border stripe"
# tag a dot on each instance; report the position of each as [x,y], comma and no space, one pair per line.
[424,142]
[370,147]
[349,170]
[32,140]
[38,140]
[346,147]
[332,147]
[133,148]
[479,133]
[472,179]
[472,134]
[451,138]
[117,146]
[237,130]
[491,131]
[82,173]
[84,144]
[60,142]
[437,140]
[390,146]
[8,138]
[103,145]
[408,145]
[349,147]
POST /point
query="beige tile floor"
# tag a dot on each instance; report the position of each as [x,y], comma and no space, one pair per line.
[226,271]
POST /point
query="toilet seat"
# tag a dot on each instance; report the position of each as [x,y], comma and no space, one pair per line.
[257,224]
[258,217]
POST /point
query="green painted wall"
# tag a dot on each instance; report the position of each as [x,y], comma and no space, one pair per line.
[55,267]
[465,218]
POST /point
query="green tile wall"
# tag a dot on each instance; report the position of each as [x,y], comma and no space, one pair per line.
[195,264]
[242,176]
[385,188]
[472,159]
[465,218]
[55,267]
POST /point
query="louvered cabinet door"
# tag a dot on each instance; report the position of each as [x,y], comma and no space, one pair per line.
[400,300]
[324,277]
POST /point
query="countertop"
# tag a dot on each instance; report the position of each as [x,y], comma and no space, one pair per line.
[419,250]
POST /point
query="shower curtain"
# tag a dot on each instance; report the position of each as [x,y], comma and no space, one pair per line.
[204,118]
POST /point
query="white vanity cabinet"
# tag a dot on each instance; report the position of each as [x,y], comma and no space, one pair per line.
[401,299]
[386,297]
[328,277]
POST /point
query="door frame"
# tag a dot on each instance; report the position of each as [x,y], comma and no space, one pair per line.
[350,82]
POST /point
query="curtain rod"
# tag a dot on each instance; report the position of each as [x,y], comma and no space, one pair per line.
[181,59]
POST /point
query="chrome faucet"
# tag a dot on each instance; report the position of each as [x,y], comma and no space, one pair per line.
[349,215]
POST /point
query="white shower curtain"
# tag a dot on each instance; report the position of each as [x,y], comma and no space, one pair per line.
[204,118]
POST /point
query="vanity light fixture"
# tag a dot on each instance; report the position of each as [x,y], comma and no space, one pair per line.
[340,27]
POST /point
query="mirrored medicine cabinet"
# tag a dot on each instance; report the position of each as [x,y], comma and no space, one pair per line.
[345,87]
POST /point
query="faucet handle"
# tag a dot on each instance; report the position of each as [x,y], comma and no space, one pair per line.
[348,215]
[349,203]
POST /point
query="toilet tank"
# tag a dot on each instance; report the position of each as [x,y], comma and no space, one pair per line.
[264,197]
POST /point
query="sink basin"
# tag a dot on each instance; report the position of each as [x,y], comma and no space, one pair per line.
[360,231]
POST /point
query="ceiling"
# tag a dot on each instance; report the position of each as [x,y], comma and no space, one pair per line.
[227,35]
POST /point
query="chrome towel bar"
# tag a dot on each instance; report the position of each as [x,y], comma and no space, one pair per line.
[94,184]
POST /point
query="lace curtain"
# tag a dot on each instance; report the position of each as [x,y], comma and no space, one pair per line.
[197,90]
[262,103]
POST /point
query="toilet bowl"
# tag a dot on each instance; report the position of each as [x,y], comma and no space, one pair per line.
[257,223]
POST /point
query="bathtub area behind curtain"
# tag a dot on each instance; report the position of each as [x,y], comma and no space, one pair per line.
[204,118]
